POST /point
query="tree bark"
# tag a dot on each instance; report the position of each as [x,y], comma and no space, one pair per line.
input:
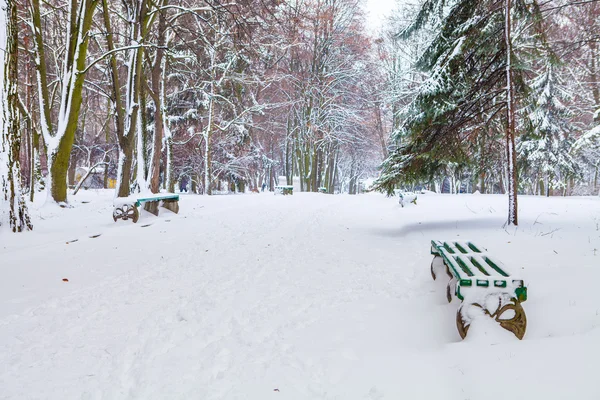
[381,131]
[207,144]
[59,141]
[594,75]
[12,202]
[126,115]
[157,92]
[511,156]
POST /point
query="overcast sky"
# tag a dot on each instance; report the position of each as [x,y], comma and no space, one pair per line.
[377,10]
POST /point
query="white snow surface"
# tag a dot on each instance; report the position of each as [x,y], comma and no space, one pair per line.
[318,296]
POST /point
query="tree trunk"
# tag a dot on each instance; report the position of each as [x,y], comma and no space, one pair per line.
[334,175]
[596,176]
[72,169]
[12,202]
[595,82]
[141,144]
[125,117]
[381,131]
[207,146]
[314,170]
[194,183]
[482,182]
[169,170]
[157,93]
[511,156]
[288,154]
[60,141]
[156,148]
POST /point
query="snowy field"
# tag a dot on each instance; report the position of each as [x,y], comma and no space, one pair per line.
[301,297]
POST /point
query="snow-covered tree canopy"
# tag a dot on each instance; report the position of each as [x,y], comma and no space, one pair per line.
[465,90]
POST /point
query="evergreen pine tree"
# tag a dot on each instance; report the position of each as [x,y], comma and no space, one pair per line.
[587,149]
[473,82]
[546,150]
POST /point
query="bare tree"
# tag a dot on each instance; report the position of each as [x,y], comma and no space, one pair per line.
[59,136]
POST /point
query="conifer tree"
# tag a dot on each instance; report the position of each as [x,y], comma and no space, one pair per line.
[476,78]
[587,148]
[547,148]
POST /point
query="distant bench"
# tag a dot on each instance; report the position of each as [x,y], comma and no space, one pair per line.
[127,207]
[285,189]
[407,197]
[479,280]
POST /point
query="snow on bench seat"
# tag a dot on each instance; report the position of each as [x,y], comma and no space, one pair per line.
[127,207]
[479,280]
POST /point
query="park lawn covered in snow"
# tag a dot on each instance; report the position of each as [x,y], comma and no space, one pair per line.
[309,296]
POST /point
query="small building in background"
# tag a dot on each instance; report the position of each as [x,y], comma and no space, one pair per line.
[95,179]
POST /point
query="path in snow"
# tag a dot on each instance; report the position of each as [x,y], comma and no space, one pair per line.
[318,296]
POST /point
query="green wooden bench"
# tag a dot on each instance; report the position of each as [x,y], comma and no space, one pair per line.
[127,207]
[284,189]
[479,280]
[322,189]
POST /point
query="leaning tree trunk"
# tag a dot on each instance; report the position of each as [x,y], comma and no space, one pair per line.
[511,156]
[125,114]
[59,139]
[12,203]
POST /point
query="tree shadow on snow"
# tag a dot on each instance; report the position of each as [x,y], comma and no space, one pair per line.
[450,225]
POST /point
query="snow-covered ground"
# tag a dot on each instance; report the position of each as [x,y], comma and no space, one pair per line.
[309,296]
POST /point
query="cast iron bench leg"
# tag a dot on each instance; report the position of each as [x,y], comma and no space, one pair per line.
[509,314]
[125,212]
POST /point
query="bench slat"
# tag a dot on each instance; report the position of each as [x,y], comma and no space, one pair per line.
[478,265]
[157,198]
[495,266]
[473,267]
[453,264]
[471,260]
[465,267]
